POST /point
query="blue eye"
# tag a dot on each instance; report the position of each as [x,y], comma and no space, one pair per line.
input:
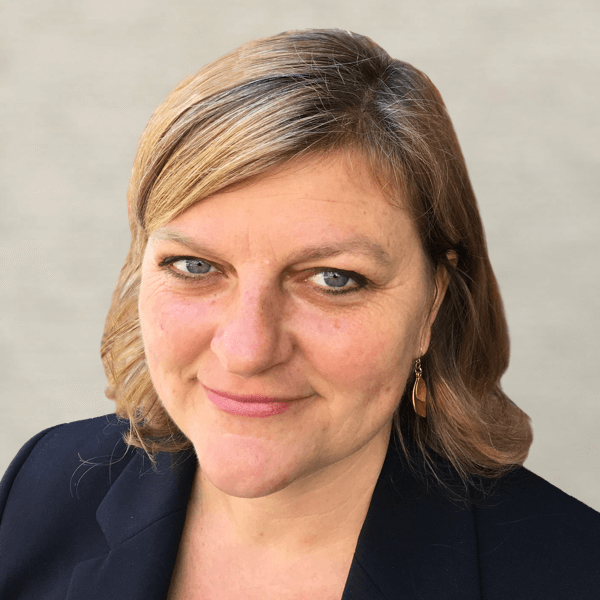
[335,279]
[338,282]
[187,267]
[194,266]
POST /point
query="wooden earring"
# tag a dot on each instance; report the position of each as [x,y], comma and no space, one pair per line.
[419,392]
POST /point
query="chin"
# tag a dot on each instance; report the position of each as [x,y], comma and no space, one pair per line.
[247,467]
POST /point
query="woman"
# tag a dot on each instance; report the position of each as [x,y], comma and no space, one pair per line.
[304,347]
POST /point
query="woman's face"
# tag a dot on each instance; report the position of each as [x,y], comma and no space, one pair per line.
[280,321]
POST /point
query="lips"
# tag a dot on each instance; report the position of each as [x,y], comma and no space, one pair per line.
[249,406]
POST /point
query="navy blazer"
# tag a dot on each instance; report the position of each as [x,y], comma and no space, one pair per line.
[85,518]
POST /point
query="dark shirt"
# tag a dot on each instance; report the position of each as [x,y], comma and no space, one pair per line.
[83,517]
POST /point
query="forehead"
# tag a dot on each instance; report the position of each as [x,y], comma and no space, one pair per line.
[317,199]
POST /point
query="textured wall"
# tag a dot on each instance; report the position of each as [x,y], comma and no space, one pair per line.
[521,79]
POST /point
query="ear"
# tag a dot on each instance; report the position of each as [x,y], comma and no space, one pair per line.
[441,280]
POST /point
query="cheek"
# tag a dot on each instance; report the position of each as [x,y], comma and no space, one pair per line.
[361,355]
[174,331]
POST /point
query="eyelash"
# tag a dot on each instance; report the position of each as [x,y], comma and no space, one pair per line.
[361,281]
[167,262]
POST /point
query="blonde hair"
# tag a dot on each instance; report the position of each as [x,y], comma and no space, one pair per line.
[318,91]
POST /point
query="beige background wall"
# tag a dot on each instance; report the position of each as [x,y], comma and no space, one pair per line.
[521,78]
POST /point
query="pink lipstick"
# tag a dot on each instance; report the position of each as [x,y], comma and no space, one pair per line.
[248,406]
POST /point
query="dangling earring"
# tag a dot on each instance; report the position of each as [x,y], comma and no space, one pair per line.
[419,393]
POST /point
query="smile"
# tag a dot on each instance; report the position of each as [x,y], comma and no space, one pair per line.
[249,406]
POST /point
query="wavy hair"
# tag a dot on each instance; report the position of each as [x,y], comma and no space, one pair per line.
[319,91]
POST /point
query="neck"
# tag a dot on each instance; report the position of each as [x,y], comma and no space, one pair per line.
[321,511]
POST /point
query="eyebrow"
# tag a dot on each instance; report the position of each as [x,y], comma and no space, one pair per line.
[357,244]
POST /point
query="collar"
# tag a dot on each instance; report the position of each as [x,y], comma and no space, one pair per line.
[142,518]
[415,543]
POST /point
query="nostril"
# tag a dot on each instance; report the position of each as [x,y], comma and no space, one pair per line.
[250,338]
[246,350]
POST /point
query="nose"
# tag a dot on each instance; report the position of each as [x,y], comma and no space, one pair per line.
[250,338]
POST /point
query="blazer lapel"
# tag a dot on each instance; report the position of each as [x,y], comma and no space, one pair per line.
[415,543]
[142,518]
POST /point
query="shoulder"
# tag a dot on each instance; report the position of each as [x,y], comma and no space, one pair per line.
[537,540]
[61,447]
[525,498]
[64,451]
[49,497]
[70,465]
